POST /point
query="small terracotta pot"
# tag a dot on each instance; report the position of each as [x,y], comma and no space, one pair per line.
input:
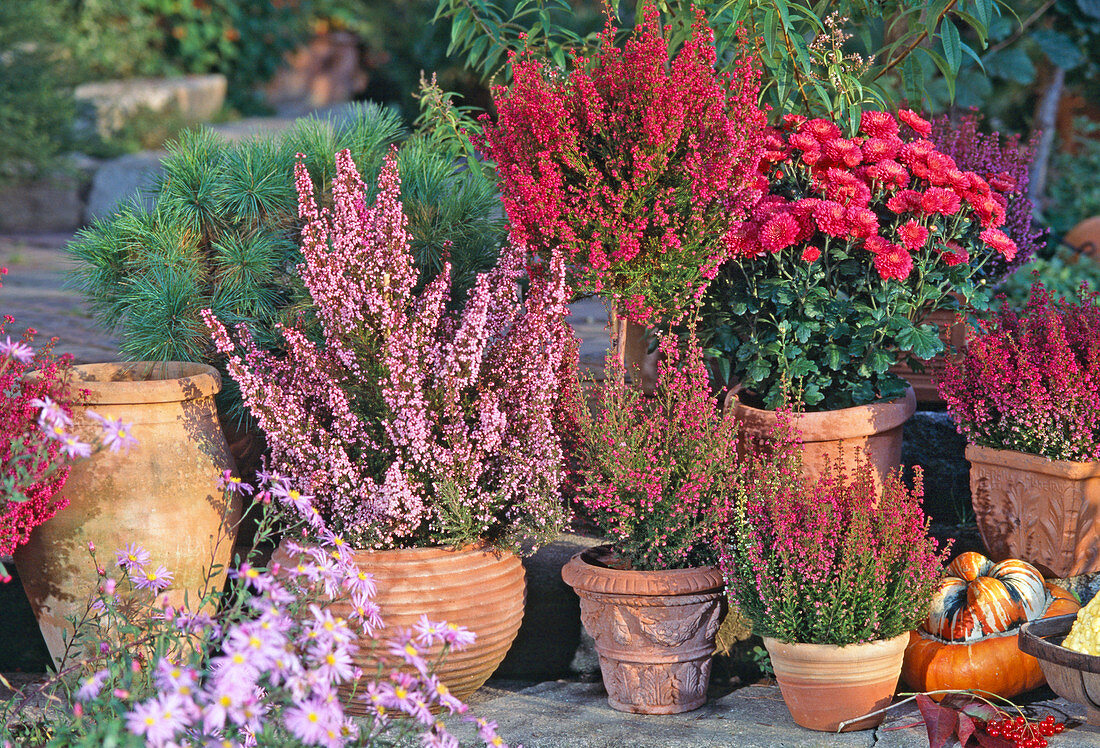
[824,685]
[875,430]
[483,590]
[162,494]
[1043,511]
[654,630]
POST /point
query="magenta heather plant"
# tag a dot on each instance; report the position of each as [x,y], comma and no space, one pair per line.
[408,424]
[832,562]
[1006,165]
[657,471]
[635,166]
[1030,381]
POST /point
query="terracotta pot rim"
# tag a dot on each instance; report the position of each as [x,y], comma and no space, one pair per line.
[424,553]
[813,649]
[582,572]
[139,382]
[831,425]
[1032,463]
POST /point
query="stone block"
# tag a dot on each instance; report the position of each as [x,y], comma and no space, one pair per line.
[45,205]
[120,180]
[193,98]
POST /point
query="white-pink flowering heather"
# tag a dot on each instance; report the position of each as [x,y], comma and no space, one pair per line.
[407,423]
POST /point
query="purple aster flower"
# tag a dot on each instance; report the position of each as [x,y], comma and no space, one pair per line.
[312,721]
[281,490]
[17,350]
[458,637]
[117,436]
[51,418]
[147,579]
[158,720]
[333,663]
[234,484]
[74,448]
[133,556]
[91,686]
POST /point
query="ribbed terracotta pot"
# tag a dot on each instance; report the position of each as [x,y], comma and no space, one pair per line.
[162,494]
[483,590]
[824,685]
[875,430]
[654,630]
[1043,511]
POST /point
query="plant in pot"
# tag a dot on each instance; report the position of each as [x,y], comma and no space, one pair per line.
[423,435]
[831,572]
[857,240]
[1027,398]
[1005,163]
[633,165]
[655,472]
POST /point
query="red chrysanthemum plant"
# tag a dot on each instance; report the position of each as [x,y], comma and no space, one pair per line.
[858,239]
[633,164]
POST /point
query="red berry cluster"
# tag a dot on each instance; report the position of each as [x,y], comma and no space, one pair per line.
[1023,732]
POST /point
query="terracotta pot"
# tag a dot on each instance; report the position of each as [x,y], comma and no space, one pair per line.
[953,333]
[483,590]
[1085,237]
[824,685]
[162,494]
[1043,511]
[654,630]
[874,429]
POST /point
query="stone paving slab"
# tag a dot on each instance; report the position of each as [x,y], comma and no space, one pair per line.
[566,714]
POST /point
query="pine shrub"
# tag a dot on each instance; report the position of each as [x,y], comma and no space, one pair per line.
[223,234]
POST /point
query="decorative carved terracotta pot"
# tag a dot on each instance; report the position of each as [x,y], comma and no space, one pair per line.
[483,590]
[824,685]
[654,630]
[874,429]
[162,494]
[1043,511]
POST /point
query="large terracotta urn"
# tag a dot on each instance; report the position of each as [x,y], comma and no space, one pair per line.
[162,494]
[479,588]
[1043,511]
[654,630]
[874,431]
[824,685]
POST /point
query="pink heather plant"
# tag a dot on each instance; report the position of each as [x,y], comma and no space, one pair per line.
[833,562]
[633,165]
[657,471]
[407,424]
[1030,382]
[263,671]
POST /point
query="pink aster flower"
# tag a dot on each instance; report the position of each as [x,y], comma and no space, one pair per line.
[74,448]
[117,435]
[92,685]
[312,721]
[157,720]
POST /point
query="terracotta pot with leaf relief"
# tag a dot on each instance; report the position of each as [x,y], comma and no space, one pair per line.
[654,630]
[1034,508]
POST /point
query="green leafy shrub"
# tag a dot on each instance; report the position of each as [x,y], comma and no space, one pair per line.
[36,108]
[223,234]
[1073,193]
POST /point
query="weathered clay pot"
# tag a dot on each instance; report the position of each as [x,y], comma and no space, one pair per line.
[875,430]
[654,630]
[483,590]
[162,494]
[1043,511]
[824,685]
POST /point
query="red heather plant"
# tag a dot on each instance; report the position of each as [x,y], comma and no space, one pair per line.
[656,471]
[633,165]
[832,562]
[858,239]
[1006,165]
[32,465]
[1030,382]
[408,424]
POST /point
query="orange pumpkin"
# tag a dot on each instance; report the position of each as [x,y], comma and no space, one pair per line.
[969,637]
